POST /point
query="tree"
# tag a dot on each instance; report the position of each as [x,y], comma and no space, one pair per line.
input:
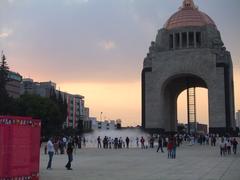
[43,108]
[4,99]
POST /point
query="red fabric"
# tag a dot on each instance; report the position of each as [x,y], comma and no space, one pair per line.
[170,146]
[19,146]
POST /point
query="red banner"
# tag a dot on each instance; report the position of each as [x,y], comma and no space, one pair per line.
[19,147]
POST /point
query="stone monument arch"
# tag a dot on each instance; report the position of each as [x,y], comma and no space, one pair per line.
[188,52]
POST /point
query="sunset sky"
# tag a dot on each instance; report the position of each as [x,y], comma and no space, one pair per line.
[96,47]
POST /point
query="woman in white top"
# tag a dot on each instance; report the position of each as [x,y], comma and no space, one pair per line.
[50,150]
[222,145]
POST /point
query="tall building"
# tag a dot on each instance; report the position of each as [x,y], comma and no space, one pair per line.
[76,110]
[13,85]
[87,123]
[75,103]
[42,89]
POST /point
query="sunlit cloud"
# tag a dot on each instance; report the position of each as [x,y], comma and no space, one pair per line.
[4,33]
[107,45]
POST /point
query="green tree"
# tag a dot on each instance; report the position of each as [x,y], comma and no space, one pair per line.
[4,99]
[43,108]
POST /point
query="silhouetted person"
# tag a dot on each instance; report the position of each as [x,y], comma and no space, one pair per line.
[142,140]
[115,143]
[160,144]
[127,142]
[70,156]
[235,143]
[99,142]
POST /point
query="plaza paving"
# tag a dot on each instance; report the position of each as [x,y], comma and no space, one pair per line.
[192,163]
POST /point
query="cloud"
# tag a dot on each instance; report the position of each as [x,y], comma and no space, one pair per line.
[107,45]
[4,33]
[11,1]
[69,2]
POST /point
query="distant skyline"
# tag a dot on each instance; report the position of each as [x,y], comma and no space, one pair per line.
[96,47]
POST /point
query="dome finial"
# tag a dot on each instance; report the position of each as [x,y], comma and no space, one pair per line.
[189,4]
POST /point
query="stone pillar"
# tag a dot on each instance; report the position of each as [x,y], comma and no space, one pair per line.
[174,46]
[195,39]
[180,44]
[187,39]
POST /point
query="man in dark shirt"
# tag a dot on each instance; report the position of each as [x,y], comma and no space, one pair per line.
[70,156]
[160,144]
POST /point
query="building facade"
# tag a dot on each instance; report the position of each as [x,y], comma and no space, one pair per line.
[87,123]
[105,125]
[43,89]
[75,103]
[75,109]
[13,85]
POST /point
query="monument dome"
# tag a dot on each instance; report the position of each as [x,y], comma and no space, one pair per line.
[188,15]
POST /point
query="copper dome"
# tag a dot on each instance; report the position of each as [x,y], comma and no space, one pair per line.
[188,15]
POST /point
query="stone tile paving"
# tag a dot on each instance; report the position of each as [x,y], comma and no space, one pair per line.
[192,163]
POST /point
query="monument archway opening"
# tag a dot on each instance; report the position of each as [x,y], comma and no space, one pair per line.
[201,111]
[171,90]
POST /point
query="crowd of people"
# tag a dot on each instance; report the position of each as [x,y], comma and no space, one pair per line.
[67,145]
[227,145]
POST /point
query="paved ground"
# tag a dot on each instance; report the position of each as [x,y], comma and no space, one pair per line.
[192,163]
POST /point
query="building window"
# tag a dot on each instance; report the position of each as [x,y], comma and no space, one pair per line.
[177,40]
[184,40]
[171,41]
[191,39]
[198,39]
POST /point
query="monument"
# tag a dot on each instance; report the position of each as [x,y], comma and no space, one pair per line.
[188,52]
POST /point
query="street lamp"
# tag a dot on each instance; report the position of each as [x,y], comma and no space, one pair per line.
[101,116]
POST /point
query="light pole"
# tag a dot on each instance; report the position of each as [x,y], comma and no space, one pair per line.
[101,116]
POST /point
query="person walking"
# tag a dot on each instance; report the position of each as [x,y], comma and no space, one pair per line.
[99,142]
[160,144]
[234,143]
[228,144]
[174,149]
[70,155]
[50,150]
[137,142]
[222,147]
[170,148]
[127,142]
[142,143]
